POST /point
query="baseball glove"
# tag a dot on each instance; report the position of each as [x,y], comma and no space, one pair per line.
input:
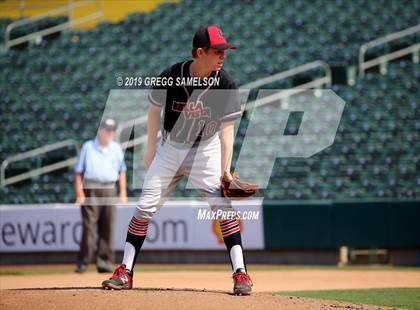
[237,189]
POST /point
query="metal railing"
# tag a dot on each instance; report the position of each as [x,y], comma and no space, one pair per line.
[318,82]
[294,71]
[128,125]
[38,171]
[67,10]
[412,49]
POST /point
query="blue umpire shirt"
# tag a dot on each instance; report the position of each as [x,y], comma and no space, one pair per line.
[101,164]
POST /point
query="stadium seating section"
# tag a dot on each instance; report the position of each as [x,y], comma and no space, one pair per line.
[57,90]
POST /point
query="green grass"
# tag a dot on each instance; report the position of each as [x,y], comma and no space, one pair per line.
[63,269]
[391,297]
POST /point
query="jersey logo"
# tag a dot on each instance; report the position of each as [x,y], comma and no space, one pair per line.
[192,109]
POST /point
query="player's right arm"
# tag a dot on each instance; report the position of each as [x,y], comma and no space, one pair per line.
[153,124]
[157,98]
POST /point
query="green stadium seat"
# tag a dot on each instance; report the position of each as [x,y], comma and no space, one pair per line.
[66,80]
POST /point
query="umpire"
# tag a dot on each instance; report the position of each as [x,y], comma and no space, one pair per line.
[99,166]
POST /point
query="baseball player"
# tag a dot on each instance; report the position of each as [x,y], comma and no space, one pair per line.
[197,142]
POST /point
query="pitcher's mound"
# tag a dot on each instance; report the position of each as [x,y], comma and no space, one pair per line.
[177,299]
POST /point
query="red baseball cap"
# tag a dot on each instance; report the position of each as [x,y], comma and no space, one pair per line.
[211,36]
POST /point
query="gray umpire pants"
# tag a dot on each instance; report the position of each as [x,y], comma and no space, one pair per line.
[98,217]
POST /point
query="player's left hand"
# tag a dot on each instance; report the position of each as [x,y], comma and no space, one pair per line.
[227,176]
[233,188]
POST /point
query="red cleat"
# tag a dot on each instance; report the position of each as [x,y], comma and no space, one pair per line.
[241,283]
[122,279]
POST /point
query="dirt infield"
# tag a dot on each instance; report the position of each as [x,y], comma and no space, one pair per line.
[160,299]
[193,289]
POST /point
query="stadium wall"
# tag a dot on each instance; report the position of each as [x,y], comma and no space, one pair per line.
[331,224]
[286,232]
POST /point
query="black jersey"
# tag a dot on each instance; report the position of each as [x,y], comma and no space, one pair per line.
[197,110]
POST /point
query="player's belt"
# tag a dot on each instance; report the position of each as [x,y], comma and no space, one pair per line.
[166,137]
